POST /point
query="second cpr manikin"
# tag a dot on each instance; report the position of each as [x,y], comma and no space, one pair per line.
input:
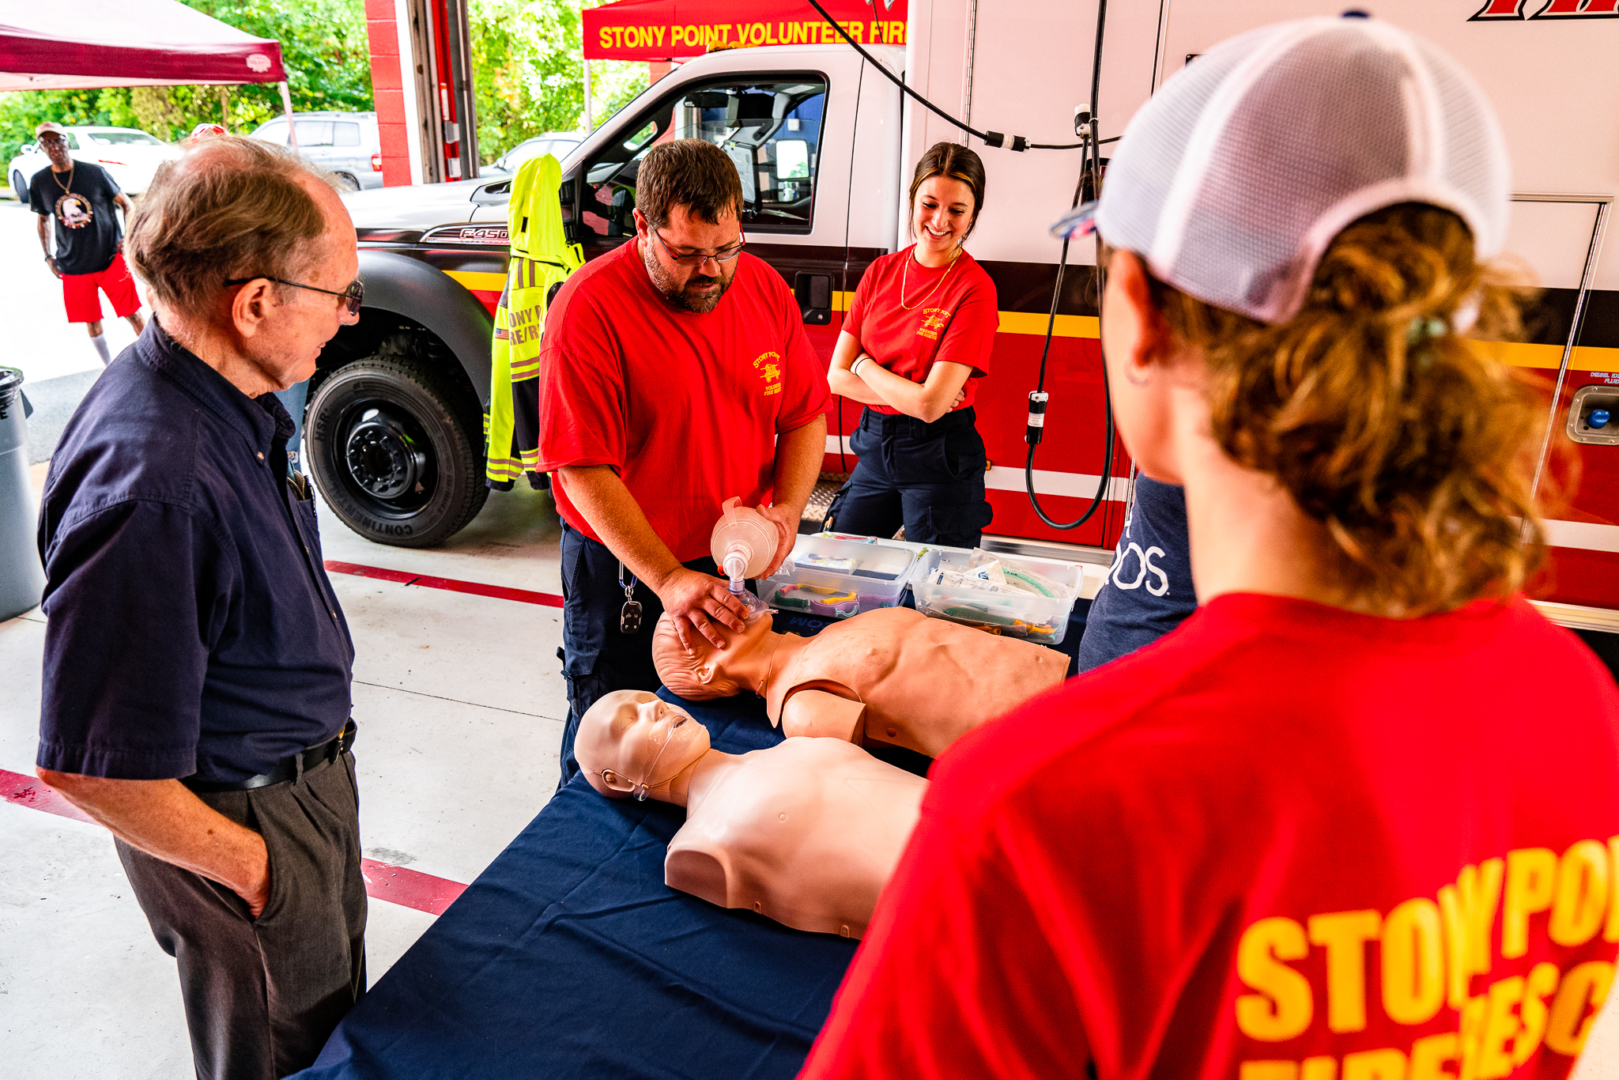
[806,832]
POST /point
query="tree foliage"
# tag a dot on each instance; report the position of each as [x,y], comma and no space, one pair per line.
[527,58]
[323,46]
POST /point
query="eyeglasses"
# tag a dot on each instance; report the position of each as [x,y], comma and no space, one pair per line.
[698,258]
[354,294]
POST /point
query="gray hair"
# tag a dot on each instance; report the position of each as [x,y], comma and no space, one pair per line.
[229,207]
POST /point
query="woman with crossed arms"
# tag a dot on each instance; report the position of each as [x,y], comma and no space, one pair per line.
[915,341]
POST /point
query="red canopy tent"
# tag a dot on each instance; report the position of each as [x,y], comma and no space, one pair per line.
[93,43]
[680,29]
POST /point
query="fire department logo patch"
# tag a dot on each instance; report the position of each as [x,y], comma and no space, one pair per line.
[933,322]
[768,365]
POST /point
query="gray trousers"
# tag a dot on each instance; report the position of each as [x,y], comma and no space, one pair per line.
[261,995]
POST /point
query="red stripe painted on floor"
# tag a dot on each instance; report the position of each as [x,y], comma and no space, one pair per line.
[383,881]
[33,792]
[408,888]
[428,581]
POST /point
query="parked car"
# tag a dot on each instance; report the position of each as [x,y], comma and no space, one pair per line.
[343,143]
[129,154]
[558,143]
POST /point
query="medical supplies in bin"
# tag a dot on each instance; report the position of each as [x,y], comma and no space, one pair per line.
[1013,595]
[838,578]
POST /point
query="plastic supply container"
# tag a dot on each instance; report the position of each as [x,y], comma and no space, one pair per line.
[1042,619]
[838,578]
[22,580]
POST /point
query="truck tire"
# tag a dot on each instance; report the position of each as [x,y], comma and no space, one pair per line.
[391,454]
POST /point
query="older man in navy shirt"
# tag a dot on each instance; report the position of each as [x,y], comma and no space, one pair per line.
[197,666]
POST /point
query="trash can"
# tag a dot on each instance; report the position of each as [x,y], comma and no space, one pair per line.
[22,580]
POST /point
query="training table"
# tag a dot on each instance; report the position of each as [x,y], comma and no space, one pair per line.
[569,957]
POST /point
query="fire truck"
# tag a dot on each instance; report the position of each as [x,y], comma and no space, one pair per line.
[824,141]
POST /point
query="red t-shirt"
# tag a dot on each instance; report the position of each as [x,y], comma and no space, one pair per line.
[952,317]
[685,407]
[1249,843]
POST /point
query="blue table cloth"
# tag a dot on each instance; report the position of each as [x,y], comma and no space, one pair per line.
[569,956]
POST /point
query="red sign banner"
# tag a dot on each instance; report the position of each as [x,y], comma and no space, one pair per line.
[679,29]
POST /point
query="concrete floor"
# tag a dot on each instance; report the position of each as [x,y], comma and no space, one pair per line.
[460,706]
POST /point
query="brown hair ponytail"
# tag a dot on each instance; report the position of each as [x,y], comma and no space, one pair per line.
[1410,445]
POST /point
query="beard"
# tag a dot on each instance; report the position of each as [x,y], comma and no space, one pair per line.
[678,294]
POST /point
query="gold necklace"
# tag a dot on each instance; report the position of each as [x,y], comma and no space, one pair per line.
[67,187]
[904,275]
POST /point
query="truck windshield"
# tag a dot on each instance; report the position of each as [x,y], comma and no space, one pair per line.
[769,128]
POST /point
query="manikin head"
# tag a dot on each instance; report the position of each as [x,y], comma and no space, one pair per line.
[704,673]
[632,743]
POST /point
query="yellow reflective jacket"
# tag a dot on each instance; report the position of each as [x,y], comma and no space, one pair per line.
[541,260]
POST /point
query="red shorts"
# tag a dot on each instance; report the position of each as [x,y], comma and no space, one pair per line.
[79,292]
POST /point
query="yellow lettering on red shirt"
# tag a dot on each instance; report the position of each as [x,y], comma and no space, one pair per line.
[1583,991]
[1385,1064]
[1471,1037]
[1413,962]
[1268,1070]
[1500,1025]
[1431,1053]
[1531,880]
[1282,1005]
[1468,911]
[1611,932]
[1537,988]
[1344,934]
[1319,1068]
[1582,894]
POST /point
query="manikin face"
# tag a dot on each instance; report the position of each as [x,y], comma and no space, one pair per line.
[691,285]
[632,743]
[941,215]
[712,663]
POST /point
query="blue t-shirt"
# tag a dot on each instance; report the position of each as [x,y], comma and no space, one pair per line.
[1149,587]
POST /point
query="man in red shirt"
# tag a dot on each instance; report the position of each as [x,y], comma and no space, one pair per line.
[1358,817]
[675,374]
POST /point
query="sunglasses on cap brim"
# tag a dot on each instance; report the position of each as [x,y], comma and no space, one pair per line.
[1078,222]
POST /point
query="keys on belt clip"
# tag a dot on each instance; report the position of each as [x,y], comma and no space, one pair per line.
[629,616]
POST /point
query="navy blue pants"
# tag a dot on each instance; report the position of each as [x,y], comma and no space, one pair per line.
[597,658]
[928,477]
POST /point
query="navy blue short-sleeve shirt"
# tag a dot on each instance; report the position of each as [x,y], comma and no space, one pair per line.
[1148,591]
[191,626]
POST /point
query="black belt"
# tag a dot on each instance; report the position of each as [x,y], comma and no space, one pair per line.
[887,424]
[291,767]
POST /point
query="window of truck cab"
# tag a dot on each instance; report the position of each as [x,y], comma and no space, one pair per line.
[769,126]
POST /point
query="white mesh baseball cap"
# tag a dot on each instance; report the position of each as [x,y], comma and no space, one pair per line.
[1233,179]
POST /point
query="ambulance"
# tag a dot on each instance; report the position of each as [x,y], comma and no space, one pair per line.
[824,140]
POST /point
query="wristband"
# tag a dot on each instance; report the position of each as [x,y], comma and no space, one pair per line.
[855,370]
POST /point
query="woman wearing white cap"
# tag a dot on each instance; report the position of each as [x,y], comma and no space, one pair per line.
[1352,820]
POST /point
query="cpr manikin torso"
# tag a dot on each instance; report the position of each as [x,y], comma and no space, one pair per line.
[806,832]
[890,676]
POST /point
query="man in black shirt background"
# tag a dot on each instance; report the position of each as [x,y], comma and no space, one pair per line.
[89,241]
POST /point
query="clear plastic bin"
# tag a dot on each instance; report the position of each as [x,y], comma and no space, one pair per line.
[1043,619]
[838,578]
